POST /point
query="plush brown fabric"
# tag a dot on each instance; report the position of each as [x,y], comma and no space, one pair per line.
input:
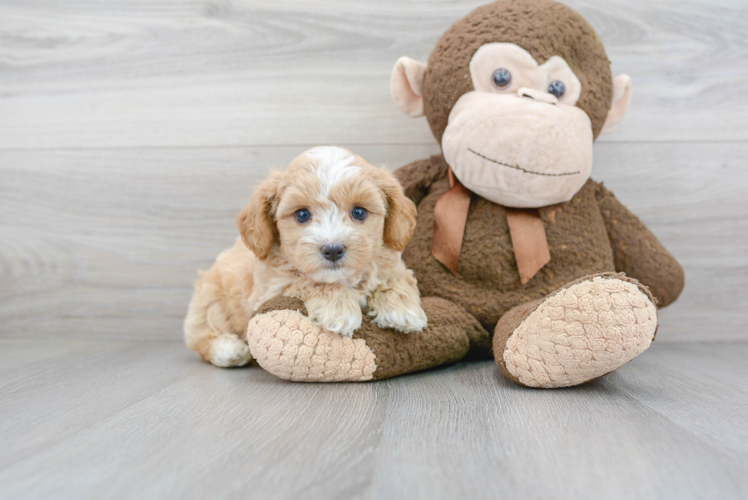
[451,335]
[445,340]
[487,283]
[418,177]
[505,328]
[280,304]
[638,253]
[542,27]
[481,343]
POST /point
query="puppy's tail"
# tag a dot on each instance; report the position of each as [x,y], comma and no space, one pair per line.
[208,331]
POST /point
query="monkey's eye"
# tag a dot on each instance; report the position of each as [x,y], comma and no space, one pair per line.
[359,213]
[502,78]
[302,215]
[557,88]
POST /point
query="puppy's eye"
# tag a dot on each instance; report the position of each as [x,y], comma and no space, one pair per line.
[302,215]
[359,213]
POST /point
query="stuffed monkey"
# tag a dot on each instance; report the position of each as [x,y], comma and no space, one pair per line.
[518,253]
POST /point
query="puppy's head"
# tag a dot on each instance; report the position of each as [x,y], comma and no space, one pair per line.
[329,214]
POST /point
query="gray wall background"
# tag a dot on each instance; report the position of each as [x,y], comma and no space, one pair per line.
[132,132]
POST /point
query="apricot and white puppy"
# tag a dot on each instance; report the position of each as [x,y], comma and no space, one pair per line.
[328,230]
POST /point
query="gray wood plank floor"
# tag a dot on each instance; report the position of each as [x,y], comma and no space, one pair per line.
[128,419]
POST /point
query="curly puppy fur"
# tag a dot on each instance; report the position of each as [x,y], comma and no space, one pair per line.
[280,255]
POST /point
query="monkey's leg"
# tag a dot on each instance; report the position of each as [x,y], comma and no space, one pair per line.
[581,332]
[285,343]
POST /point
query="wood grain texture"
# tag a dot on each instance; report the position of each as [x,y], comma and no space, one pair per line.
[107,242]
[101,419]
[90,74]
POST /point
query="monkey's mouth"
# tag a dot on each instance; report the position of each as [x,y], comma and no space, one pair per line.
[517,167]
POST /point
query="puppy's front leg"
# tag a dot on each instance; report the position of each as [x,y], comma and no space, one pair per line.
[335,308]
[397,304]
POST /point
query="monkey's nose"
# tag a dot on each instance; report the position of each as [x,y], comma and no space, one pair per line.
[333,251]
[537,95]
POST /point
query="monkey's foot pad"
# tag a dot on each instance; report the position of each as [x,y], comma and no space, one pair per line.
[288,345]
[581,332]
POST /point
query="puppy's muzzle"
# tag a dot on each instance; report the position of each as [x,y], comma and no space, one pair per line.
[333,252]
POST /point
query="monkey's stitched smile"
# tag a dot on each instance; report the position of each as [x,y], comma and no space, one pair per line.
[523,169]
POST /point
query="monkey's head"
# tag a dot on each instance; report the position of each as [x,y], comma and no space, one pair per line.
[516,92]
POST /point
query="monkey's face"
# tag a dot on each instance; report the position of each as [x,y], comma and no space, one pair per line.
[516,93]
[518,139]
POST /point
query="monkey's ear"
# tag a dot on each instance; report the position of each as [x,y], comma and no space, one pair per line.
[255,222]
[621,99]
[406,86]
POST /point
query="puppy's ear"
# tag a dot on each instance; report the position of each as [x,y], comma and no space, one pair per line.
[400,221]
[255,222]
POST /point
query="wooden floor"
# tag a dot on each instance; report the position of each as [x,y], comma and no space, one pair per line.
[125,419]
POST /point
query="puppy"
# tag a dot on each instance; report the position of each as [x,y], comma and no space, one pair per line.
[328,230]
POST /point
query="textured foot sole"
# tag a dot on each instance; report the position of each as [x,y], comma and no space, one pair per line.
[288,345]
[581,333]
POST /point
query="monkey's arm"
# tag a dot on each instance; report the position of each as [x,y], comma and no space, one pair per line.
[417,177]
[637,252]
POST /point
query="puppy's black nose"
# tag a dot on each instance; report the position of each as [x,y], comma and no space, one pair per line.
[333,252]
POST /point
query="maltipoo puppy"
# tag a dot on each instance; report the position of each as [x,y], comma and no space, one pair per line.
[328,230]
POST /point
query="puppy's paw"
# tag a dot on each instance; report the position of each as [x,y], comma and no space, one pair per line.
[341,317]
[403,320]
[228,350]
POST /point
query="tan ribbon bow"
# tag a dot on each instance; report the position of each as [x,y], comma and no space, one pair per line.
[525,228]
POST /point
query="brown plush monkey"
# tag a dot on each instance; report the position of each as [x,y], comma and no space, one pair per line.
[513,238]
